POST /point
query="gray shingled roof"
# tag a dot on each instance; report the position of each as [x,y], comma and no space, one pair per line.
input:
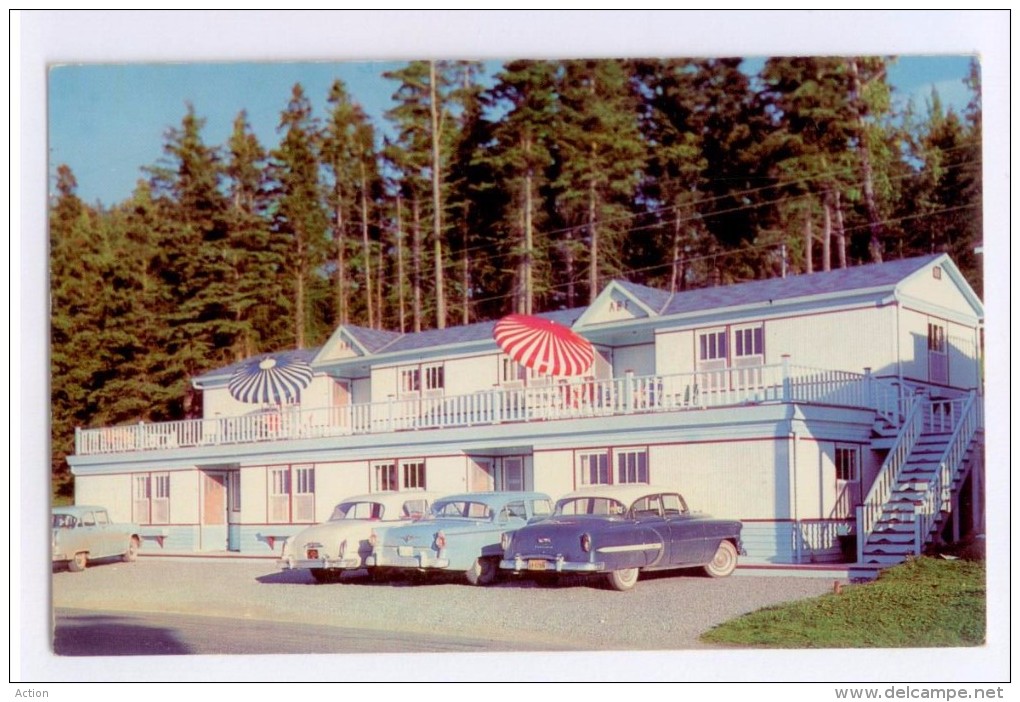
[372,339]
[873,275]
[470,332]
[305,355]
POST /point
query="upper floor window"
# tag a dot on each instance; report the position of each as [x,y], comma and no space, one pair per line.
[712,345]
[410,380]
[748,341]
[434,379]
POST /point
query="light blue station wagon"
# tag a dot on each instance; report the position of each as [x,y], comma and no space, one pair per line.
[462,533]
[83,533]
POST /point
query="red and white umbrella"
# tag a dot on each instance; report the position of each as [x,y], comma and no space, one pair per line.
[543,345]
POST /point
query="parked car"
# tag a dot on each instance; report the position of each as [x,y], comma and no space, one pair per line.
[462,533]
[84,533]
[617,531]
[330,548]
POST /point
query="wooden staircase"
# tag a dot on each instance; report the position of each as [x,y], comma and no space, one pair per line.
[917,486]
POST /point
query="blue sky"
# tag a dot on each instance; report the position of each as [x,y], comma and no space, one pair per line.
[108,121]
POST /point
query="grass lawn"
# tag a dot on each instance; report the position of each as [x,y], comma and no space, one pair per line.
[924,602]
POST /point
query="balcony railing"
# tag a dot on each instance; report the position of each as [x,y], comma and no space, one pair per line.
[576,398]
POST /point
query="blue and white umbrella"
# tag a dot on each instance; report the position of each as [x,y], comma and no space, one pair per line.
[270,379]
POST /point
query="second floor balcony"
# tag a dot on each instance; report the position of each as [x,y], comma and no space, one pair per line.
[553,400]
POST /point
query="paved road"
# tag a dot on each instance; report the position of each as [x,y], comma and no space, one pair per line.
[170,606]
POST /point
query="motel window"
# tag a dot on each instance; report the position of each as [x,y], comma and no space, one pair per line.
[410,380]
[936,338]
[140,499]
[434,378]
[748,341]
[292,494]
[279,495]
[413,475]
[631,466]
[847,461]
[511,371]
[160,498]
[385,477]
[712,346]
[151,499]
[594,468]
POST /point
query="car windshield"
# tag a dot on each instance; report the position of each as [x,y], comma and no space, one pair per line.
[604,506]
[462,508]
[357,510]
[63,521]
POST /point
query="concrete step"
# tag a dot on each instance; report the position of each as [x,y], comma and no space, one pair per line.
[883,560]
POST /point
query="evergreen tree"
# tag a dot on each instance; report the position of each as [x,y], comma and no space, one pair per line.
[298,214]
[600,159]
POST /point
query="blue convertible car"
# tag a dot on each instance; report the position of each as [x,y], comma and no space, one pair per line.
[462,533]
[617,531]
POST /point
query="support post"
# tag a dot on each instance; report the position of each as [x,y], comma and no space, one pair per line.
[861,536]
[786,378]
[628,392]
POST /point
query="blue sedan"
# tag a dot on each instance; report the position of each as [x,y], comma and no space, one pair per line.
[462,533]
[617,531]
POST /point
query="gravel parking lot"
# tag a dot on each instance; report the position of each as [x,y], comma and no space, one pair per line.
[666,611]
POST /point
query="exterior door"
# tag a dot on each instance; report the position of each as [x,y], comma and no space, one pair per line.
[214,511]
[234,510]
[512,477]
[480,475]
[848,481]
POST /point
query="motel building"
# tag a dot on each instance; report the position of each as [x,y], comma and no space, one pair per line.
[810,407]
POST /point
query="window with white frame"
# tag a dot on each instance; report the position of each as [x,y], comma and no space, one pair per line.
[141,496]
[712,345]
[304,494]
[631,466]
[279,494]
[410,380]
[385,477]
[413,474]
[511,372]
[749,343]
[511,477]
[161,498]
[434,379]
[593,468]
[847,463]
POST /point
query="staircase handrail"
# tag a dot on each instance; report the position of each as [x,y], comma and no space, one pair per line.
[889,473]
[937,497]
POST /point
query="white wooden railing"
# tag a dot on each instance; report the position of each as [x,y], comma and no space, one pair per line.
[870,511]
[938,497]
[571,399]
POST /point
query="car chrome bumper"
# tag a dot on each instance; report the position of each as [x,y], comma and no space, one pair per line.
[420,559]
[290,563]
[522,564]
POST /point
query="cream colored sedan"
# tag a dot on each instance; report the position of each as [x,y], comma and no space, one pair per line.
[342,543]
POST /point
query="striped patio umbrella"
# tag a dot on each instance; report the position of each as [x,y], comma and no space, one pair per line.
[543,345]
[270,379]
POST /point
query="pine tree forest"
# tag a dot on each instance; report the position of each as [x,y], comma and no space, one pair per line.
[523,191]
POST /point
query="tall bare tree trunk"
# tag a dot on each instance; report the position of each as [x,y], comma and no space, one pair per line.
[341,273]
[437,220]
[808,263]
[401,314]
[867,177]
[299,293]
[840,230]
[674,279]
[593,271]
[379,289]
[416,263]
[568,267]
[827,232]
[529,245]
[366,246]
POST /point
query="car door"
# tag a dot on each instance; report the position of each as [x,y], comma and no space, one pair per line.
[686,534]
[647,513]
